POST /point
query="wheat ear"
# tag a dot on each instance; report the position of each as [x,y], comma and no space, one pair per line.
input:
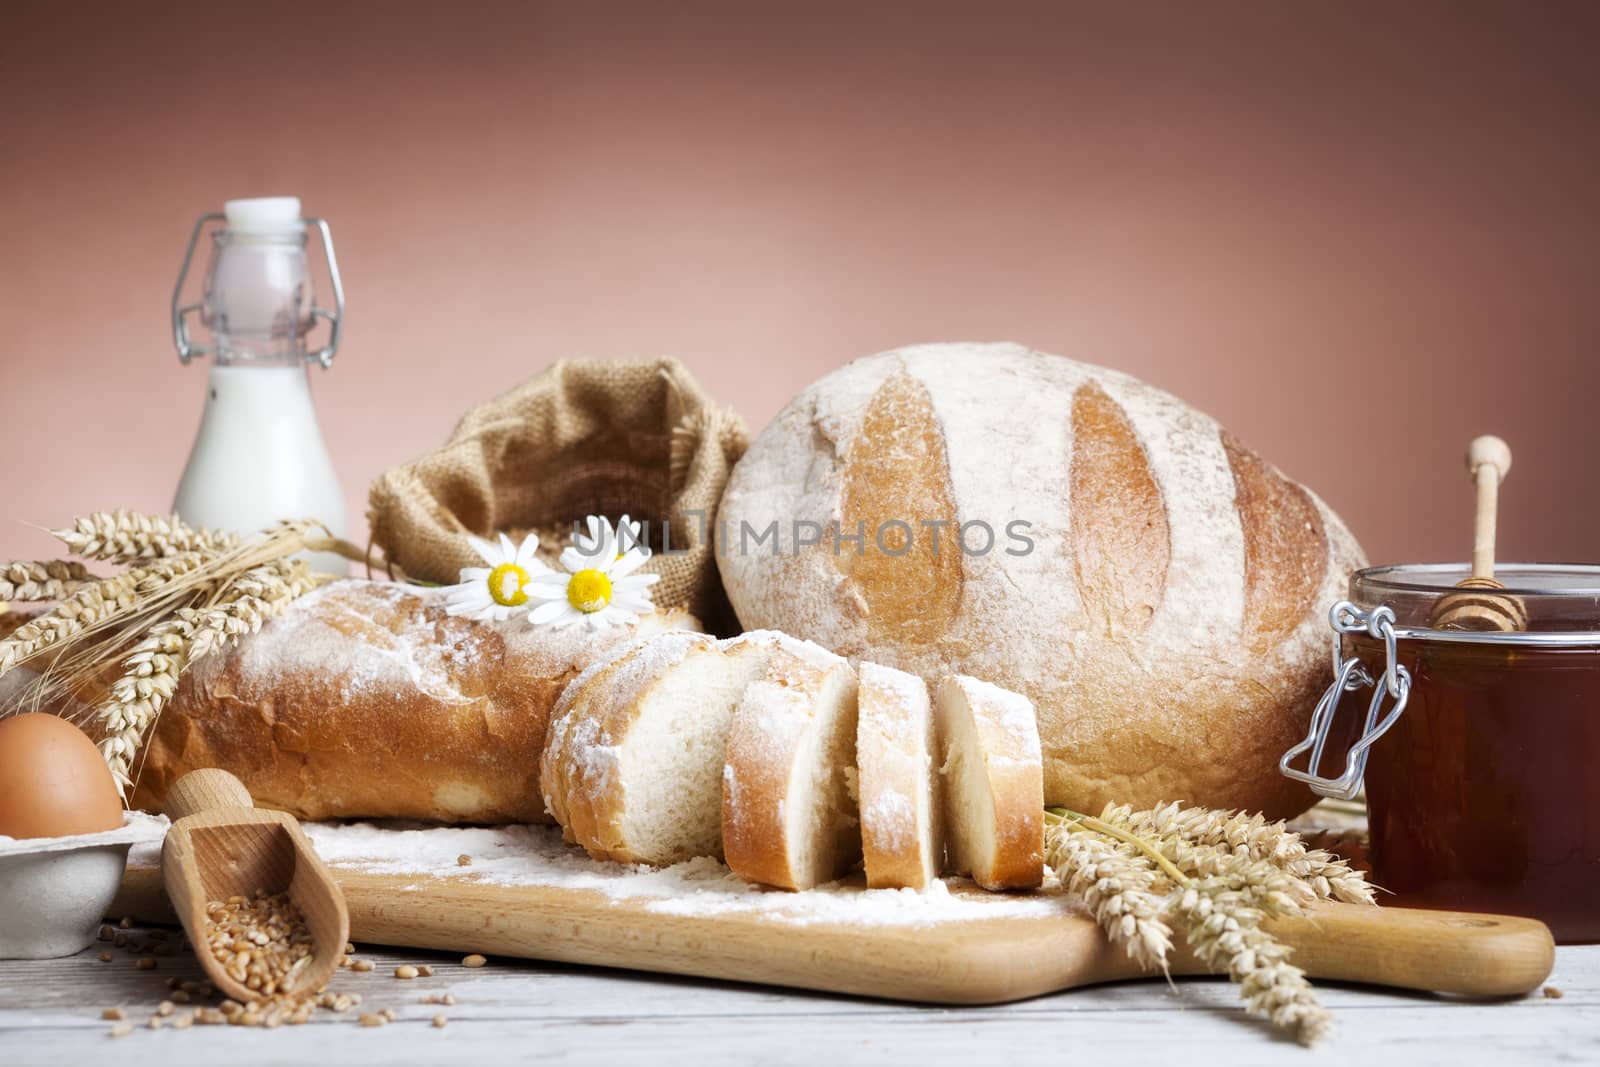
[1250,836]
[95,607]
[154,666]
[49,579]
[1121,889]
[76,613]
[1223,925]
[129,537]
[1220,896]
[1269,886]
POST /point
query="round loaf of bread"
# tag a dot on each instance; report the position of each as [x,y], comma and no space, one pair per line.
[1154,587]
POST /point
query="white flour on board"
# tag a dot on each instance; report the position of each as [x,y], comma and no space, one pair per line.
[536,856]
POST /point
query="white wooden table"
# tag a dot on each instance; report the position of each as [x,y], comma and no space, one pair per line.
[520,1012]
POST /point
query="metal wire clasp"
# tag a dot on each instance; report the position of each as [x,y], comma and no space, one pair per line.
[188,348]
[1348,676]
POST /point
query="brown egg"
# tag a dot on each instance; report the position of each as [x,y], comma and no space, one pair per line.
[53,781]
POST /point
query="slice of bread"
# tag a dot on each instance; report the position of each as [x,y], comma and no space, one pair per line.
[993,783]
[635,775]
[570,709]
[788,817]
[902,843]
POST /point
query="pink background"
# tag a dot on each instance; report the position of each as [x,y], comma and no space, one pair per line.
[1355,234]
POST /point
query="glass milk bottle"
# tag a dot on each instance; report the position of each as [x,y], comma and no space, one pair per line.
[259,455]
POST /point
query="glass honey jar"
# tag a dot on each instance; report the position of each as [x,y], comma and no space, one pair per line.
[1478,749]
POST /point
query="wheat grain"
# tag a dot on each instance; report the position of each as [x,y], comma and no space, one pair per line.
[53,579]
[130,537]
[262,941]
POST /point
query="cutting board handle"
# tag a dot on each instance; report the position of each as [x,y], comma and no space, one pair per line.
[204,790]
[1462,953]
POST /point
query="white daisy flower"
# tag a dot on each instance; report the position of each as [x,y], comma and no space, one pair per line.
[599,587]
[495,592]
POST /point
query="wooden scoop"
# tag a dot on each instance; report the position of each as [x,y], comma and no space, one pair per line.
[1478,608]
[221,845]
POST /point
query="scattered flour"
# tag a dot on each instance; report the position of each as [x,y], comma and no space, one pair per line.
[536,856]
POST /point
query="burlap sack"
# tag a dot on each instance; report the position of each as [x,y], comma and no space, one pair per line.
[585,437]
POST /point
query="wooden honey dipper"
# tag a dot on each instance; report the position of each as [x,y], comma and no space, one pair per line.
[1488,462]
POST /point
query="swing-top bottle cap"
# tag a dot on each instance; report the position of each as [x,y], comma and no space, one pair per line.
[264,215]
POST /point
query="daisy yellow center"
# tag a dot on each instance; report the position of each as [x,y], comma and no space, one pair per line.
[589,591]
[506,585]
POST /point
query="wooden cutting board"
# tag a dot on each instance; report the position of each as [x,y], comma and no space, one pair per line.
[1013,955]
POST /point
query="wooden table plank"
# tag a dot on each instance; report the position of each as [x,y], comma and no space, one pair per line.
[514,1012]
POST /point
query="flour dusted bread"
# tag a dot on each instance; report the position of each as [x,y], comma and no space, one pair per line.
[993,783]
[788,818]
[1156,589]
[897,776]
[366,700]
[570,709]
[633,767]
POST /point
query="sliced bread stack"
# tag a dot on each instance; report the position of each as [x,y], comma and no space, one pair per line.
[774,754]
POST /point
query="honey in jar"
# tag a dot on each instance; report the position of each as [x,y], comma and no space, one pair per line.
[1481,791]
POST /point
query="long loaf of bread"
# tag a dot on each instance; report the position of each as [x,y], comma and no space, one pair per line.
[366,700]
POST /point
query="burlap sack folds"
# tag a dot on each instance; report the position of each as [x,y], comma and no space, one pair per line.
[585,437]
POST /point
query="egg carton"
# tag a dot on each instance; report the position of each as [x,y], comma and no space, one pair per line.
[54,891]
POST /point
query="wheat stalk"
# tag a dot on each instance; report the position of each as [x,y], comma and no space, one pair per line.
[154,666]
[95,608]
[128,537]
[51,579]
[1216,874]
[76,613]
[187,594]
[1250,835]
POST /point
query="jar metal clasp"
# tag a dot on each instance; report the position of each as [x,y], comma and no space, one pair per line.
[1349,676]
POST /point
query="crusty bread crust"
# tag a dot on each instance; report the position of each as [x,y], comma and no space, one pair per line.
[765,778]
[366,700]
[897,773]
[1169,622]
[1008,766]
